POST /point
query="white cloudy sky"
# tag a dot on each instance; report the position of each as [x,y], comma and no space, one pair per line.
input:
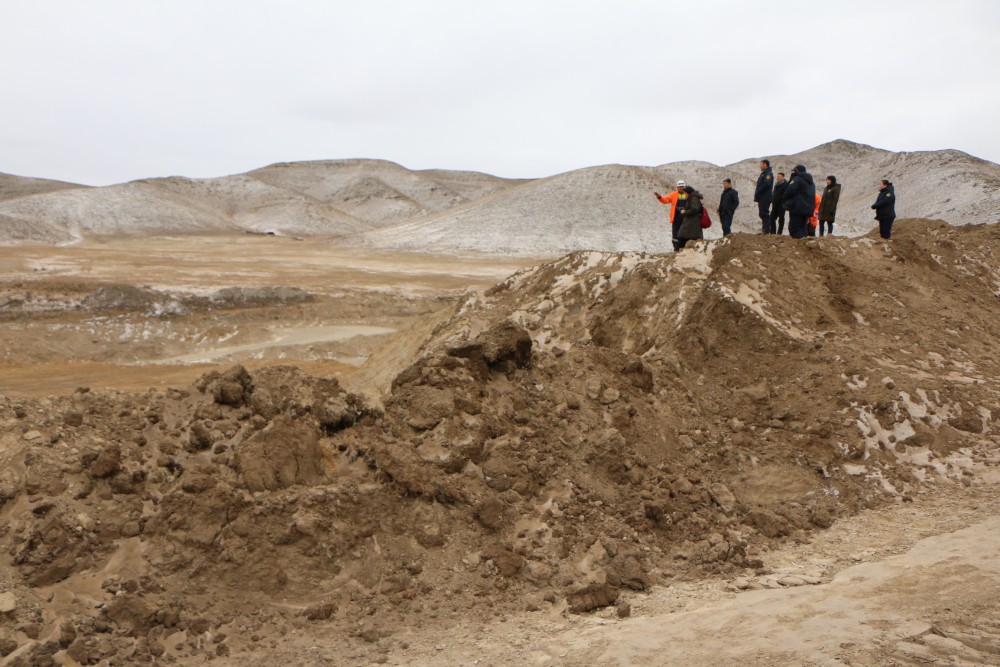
[104,91]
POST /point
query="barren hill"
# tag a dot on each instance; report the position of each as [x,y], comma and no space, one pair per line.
[947,184]
[610,207]
[470,184]
[583,431]
[15,229]
[19,186]
[250,204]
[132,208]
[384,204]
[592,208]
[377,191]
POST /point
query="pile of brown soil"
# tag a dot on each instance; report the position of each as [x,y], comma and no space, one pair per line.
[596,425]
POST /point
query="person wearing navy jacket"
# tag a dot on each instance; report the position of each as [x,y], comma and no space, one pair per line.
[885,208]
[727,206]
[800,201]
[763,195]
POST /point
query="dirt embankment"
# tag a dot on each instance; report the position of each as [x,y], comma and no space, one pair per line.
[586,429]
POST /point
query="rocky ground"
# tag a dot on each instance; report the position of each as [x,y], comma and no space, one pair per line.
[590,449]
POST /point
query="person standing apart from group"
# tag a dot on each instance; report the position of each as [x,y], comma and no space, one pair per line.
[728,203]
[800,201]
[776,224]
[678,202]
[763,194]
[690,228]
[885,208]
[828,204]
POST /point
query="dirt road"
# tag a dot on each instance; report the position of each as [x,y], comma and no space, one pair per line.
[908,584]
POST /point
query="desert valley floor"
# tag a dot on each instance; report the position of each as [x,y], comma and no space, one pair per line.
[371,293]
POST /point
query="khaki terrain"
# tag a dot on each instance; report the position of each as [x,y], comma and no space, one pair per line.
[254,450]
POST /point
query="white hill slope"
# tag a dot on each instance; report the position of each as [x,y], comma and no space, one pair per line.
[383,204]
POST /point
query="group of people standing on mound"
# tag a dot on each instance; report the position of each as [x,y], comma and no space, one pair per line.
[807,210]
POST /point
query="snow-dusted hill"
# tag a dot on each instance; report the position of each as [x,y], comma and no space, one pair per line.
[12,186]
[607,208]
[381,203]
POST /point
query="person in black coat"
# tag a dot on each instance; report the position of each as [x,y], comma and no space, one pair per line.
[691,225]
[762,194]
[885,208]
[828,205]
[776,223]
[800,201]
[727,206]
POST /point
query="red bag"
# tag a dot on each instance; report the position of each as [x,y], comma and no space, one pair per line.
[706,221]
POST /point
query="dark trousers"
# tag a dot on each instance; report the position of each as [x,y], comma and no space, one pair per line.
[763,210]
[810,230]
[675,227]
[797,225]
[885,228]
[828,223]
[680,244]
[726,219]
[776,224]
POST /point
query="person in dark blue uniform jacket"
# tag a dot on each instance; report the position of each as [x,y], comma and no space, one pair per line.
[885,208]
[800,201]
[763,195]
[776,224]
[727,206]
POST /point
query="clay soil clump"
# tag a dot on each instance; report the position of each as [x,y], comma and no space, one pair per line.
[564,442]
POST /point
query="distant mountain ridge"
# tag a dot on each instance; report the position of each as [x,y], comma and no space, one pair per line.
[12,186]
[383,204]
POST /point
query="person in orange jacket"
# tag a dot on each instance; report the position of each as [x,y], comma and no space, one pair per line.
[814,220]
[678,203]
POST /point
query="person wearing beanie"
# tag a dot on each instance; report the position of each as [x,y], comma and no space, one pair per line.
[677,201]
[800,201]
[691,225]
[885,208]
[763,194]
[728,204]
[828,205]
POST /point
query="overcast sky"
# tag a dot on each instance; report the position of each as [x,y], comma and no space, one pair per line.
[105,91]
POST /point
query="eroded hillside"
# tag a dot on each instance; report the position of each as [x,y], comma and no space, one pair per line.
[383,204]
[588,428]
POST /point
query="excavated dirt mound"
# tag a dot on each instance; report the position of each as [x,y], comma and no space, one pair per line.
[600,424]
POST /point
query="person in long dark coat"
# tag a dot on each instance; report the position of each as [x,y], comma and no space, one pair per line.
[800,201]
[691,226]
[828,205]
[776,224]
[885,208]
[763,194]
